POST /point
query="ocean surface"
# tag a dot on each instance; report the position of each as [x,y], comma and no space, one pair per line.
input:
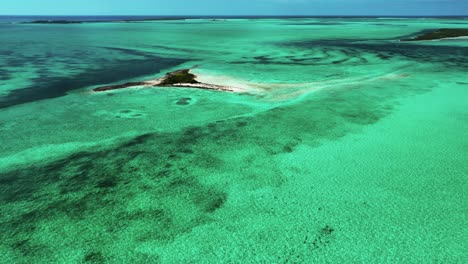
[349,146]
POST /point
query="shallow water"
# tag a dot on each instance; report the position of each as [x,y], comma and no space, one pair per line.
[351,147]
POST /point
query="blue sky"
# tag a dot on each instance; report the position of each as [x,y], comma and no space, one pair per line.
[234,7]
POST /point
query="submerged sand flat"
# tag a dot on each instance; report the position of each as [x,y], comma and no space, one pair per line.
[341,145]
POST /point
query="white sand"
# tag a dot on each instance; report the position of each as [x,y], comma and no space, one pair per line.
[455,38]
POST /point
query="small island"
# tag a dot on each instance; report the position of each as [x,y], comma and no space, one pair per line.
[444,33]
[181,78]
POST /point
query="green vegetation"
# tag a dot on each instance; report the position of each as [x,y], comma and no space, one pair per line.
[182,76]
[441,33]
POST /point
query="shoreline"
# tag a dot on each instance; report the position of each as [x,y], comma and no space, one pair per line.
[181,79]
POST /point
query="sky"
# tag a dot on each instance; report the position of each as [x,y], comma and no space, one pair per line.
[234,7]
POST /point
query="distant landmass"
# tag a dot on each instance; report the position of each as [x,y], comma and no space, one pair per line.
[441,34]
[63,21]
[129,18]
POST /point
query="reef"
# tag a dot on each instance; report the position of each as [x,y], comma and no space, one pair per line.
[181,78]
[440,34]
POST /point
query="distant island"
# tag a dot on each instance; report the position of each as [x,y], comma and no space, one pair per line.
[99,21]
[443,33]
[181,78]
[53,22]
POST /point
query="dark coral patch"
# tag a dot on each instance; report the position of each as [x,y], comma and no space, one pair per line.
[242,124]
[99,185]
[327,230]
[288,149]
[107,183]
[184,101]
[215,203]
[94,257]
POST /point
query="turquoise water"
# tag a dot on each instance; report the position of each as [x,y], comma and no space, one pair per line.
[349,146]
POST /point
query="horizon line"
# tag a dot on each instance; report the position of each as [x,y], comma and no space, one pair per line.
[245,15]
